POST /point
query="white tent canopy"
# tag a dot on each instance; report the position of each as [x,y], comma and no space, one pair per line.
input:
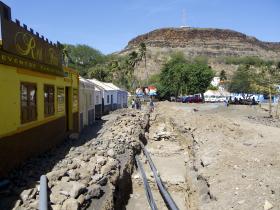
[219,92]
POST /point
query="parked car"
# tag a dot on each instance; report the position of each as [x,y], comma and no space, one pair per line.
[186,99]
[242,101]
[172,98]
[207,98]
[192,99]
[212,99]
[215,99]
[221,98]
[179,99]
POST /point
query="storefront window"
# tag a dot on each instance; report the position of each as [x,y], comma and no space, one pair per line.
[28,102]
[49,100]
[60,99]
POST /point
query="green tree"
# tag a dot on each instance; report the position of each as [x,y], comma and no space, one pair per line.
[265,82]
[143,52]
[99,72]
[65,55]
[278,92]
[179,76]
[133,59]
[212,87]
[248,80]
[242,81]
[82,57]
[278,65]
[173,76]
[121,70]
[111,68]
[223,76]
[199,76]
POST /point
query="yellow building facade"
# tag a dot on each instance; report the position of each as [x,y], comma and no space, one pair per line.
[20,140]
[39,98]
[10,81]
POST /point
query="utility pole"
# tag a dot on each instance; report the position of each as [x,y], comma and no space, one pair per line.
[184,18]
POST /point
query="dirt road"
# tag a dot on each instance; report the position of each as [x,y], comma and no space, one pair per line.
[213,157]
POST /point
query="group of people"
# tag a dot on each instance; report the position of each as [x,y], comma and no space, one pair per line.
[241,101]
[136,104]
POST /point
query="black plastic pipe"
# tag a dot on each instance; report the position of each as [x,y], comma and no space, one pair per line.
[147,188]
[164,193]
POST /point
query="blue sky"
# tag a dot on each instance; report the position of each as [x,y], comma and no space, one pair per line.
[109,24]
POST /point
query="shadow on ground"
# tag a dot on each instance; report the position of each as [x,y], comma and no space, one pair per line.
[28,174]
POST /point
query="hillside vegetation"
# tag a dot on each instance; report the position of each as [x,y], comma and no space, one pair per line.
[91,63]
[224,49]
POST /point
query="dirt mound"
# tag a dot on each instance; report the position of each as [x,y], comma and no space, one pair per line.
[233,161]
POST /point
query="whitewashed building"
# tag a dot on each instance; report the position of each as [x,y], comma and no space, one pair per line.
[107,95]
[98,103]
[115,92]
[122,96]
[86,103]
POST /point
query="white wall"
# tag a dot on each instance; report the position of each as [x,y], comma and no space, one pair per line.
[86,100]
[98,97]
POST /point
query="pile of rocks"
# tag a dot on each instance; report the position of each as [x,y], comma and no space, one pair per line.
[163,133]
[268,121]
[88,174]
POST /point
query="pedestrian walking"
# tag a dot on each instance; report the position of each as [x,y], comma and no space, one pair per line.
[133,104]
[137,103]
[226,103]
[151,105]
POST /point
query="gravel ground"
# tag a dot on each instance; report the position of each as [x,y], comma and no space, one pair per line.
[88,172]
[232,159]
[208,155]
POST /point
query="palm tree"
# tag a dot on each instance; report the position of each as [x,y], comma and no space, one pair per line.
[115,69]
[223,76]
[65,55]
[133,58]
[143,51]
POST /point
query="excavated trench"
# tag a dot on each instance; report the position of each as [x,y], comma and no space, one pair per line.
[178,146]
[124,185]
[111,154]
[170,151]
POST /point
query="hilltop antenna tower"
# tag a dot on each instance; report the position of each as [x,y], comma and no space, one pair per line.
[184,19]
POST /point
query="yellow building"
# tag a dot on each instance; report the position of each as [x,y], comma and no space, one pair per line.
[38,97]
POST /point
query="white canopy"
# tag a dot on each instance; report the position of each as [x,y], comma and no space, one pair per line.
[220,92]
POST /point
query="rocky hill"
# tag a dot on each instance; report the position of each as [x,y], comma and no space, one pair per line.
[193,42]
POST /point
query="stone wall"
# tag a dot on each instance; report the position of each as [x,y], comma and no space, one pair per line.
[86,173]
